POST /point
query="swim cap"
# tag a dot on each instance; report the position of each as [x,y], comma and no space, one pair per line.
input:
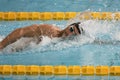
[79,28]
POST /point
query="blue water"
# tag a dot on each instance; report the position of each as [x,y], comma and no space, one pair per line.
[64,53]
[83,54]
[59,5]
[75,54]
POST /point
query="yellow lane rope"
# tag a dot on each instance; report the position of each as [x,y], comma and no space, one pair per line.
[8,16]
[60,70]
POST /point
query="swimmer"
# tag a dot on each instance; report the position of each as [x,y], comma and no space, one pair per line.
[37,31]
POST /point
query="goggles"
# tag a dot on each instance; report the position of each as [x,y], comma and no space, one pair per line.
[80,29]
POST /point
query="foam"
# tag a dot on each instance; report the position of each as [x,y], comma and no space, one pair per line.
[117,36]
[19,45]
[1,37]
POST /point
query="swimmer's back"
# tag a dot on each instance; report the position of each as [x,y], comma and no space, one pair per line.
[48,30]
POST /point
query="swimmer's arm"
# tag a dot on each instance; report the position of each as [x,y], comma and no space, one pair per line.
[17,34]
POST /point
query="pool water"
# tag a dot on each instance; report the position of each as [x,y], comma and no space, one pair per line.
[79,50]
[74,51]
[60,5]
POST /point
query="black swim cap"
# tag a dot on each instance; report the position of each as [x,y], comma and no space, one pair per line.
[80,29]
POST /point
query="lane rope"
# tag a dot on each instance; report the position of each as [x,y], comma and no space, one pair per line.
[12,16]
[60,70]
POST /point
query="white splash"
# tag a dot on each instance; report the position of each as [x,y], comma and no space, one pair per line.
[116,36]
[1,37]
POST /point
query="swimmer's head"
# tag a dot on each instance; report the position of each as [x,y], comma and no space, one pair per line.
[73,29]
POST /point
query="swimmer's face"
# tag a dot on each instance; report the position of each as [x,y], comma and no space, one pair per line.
[70,30]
